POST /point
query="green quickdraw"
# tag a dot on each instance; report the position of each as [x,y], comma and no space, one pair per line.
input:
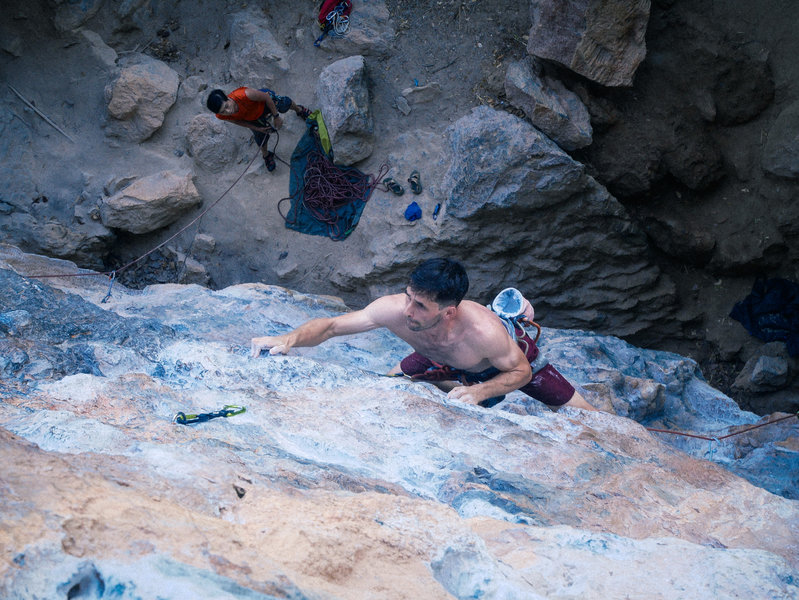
[228,410]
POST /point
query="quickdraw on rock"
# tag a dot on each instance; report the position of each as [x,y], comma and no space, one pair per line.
[229,410]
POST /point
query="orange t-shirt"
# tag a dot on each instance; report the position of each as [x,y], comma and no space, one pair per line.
[249,110]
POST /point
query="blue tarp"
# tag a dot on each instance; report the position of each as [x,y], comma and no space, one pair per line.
[326,199]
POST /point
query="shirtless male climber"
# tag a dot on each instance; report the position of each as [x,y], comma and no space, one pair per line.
[463,337]
[252,108]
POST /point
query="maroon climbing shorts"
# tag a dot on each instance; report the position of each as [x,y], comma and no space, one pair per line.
[547,385]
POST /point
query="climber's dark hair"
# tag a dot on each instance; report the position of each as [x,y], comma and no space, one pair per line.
[440,279]
[215,100]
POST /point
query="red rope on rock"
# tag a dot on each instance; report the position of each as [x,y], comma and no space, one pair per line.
[723,437]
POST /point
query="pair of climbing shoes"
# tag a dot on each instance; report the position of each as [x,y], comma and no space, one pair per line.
[414,180]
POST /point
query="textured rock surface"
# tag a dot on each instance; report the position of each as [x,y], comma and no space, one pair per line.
[70,15]
[256,57]
[371,32]
[769,369]
[151,202]
[211,143]
[682,150]
[719,83]
[503,184]
[781,154]
[602,40]
[140,97]
[340,483]
[552,108]
[344,97]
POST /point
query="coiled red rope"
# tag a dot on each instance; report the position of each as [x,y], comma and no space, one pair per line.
[328,187]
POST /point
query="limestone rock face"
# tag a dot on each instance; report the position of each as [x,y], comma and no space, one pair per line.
[602,40]
[344,96]
[255,54]
[152,202]
[338,482]
[551,107]
[139,99]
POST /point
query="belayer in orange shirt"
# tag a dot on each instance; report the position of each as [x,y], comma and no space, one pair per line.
[252,108]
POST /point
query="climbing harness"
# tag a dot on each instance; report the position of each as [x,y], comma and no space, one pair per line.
[229,410]
[509,307]
[439,372]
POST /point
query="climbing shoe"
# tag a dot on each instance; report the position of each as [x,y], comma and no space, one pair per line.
[269,161]
[303,113]
[416,185]
[391,184]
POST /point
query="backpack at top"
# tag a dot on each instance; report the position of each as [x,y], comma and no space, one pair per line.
[329,8]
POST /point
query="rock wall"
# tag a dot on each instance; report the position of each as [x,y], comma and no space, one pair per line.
[521,212]
[338,482]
